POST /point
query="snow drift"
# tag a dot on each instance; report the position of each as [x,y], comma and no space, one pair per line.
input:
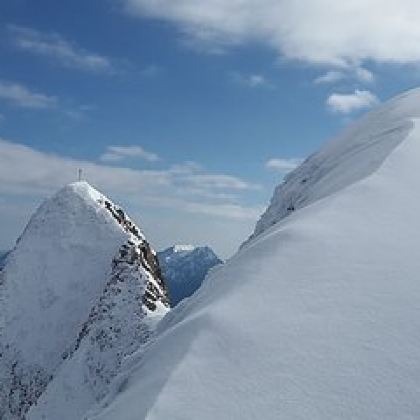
[318,315]
[79,274]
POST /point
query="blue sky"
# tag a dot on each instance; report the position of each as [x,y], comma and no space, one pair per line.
[189,112]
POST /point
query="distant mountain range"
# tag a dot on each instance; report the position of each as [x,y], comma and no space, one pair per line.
[184,268]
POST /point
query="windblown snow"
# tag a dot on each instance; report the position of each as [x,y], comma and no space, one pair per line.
[318,315]
[79,292]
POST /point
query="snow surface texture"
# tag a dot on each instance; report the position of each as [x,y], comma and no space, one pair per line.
[184,268]
[80,264]
[317,317]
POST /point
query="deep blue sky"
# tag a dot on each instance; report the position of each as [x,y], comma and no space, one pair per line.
[229,112]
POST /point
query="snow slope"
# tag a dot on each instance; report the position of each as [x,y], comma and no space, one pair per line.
[318,316]
[61,273]
[184,268]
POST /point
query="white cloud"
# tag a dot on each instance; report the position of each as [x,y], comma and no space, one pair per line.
[347,103]
[221,182]
[332,76]
[119,153]
[283,165]
[253,80]
[185,188]
[54,46]
[318,31]
[364,75]
[223,210]
[21,96]
[359,74]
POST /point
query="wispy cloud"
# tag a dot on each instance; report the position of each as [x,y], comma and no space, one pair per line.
[283,165]
[186,187]
[19,95]
[253,80]
[332,76]
[119,153]
[347,103]
[359,74]
[78,112]
[364,75]
[208,181]
[322,32]
[57,48]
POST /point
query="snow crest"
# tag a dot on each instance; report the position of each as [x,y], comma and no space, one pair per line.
[358,152]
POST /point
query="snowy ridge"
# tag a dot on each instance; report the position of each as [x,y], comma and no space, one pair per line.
[354,155]
[184,268]
[318,316]
[61,269]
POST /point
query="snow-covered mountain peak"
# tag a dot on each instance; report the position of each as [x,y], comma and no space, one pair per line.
[183,248]
[70,254]
[82,189]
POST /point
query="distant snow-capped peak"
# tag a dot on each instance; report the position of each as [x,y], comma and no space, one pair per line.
[184,268]
[183,248]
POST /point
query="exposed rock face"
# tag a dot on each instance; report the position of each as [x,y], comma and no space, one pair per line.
[3,255]
[138,250]
[81,290]
[185,267]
